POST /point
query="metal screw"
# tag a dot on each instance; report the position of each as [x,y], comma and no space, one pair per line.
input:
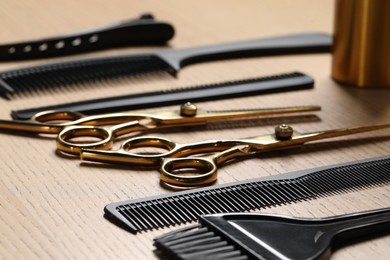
[283,132]
[188,109]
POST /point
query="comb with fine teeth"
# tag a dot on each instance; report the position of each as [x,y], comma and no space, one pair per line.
[169,60]
[186,206]
[266,236]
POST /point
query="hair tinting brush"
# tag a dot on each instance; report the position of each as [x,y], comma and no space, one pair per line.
[266,236]
[141,31]
[186,206]
[170,60]
[230,89]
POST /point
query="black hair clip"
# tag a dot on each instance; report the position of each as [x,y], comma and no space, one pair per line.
[144,30]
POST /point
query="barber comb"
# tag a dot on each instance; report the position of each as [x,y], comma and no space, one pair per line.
[185,206]
[267,236]
[167,60]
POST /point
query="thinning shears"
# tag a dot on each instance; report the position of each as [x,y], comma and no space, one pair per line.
[179,167]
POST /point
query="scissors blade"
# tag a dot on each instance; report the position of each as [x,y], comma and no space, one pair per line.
[29,126]
[189,115]
[271,142]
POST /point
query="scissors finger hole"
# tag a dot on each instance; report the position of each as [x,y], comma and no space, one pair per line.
[148,146]
[188,172]
[57,117]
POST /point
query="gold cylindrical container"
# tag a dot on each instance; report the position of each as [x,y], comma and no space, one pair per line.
[361,46]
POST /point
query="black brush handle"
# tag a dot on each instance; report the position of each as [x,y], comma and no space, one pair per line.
[141,31]
[240,88]
[300,238]
[290,44]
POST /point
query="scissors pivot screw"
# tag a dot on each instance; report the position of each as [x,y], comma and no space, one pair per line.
[188,109]
[284,132]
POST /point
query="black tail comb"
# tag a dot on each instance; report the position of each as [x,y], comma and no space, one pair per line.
[265,236]
[186,206]
[229,89]
[170,60]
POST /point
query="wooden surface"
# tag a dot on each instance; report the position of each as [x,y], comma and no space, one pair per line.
[52,206]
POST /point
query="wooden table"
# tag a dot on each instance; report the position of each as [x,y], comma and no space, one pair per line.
[52,205]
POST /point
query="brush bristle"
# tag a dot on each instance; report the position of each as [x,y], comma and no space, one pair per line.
[196,242]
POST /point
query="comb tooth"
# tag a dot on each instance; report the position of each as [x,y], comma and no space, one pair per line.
[244,193]
[206,205]
[130,217]
[264,193]
[226,198]
[270,193]
[237,201]
[146,216]
[304,193]
[183,211]
[255,195]
[160,207]
[283,196]
[263,201]
[191,208]
[199,203]
[154,214]
[245,199]
[140,218]
[315,186]
[291,192]
[213,202]
[221,202]
[172,210]
[94,70]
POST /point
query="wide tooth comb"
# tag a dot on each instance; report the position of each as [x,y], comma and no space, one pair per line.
[266,236]
[171,61]
[187,206]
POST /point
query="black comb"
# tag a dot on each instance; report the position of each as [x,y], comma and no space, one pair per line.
[266,236]
[170,60]
[230,89]
[186,206]
[141,31]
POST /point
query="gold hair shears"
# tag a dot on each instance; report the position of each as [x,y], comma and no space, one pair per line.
[53,122]
[188,115]
[179,166]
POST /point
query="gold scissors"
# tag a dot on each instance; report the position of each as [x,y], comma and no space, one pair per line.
[53,122]
[179,166]
[187,115]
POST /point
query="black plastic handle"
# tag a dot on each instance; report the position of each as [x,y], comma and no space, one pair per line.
[289,44]
[141,31]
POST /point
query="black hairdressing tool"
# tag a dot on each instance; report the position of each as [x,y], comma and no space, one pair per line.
[230,89]
[170,60]
[141,31]
[186,206]
[266,236]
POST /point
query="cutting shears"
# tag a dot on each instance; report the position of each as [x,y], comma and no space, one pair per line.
[187,115]
[180,167]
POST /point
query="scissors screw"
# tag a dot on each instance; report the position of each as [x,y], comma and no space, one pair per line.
[188,109]
[283,132]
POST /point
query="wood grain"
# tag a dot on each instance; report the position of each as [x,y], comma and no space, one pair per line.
[52,207]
